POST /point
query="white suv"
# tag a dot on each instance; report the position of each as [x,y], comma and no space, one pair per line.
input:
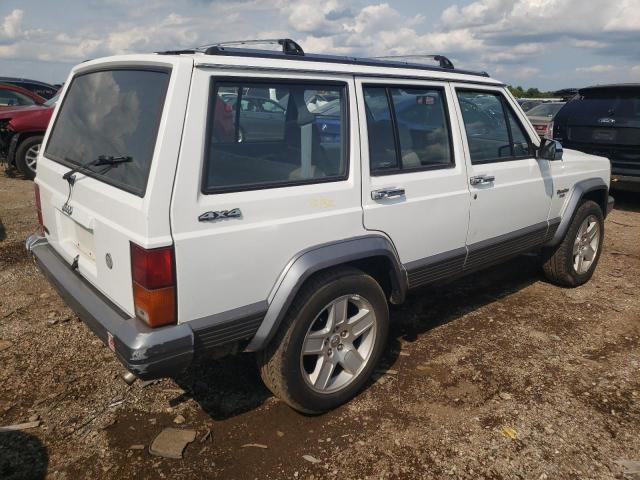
[235,199]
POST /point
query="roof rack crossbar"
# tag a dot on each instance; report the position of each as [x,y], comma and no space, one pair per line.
[289,47]
[443,61]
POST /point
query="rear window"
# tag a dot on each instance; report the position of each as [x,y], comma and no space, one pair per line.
[111,113]
[615,102]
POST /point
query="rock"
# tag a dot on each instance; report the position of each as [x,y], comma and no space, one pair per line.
[34,418]
[254,445]
[179,420]
[555,338]
[279,433]
[630,467]
[20,426]
[44,295]
[171,442]
[505,396]
[52,321]
[136,447]
[4,344]
[310,459]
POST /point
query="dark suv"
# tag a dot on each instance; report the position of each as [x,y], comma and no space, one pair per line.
[604,120]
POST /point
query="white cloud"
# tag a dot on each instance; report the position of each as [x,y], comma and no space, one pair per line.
[596,69]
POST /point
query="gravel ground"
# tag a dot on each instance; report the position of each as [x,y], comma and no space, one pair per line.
[497,376]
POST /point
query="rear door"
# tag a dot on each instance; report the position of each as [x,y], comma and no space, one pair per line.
[121,107]
[510,190]
[414,175]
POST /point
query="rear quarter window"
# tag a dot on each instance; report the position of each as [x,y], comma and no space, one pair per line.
[111,113]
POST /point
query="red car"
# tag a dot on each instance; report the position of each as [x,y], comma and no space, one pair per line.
[21,131]
[14,96]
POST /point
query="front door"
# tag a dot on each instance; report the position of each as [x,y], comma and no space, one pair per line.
[510,189]
[414,179]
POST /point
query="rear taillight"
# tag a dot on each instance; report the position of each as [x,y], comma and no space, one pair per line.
[38,207]
[154,285]
[549,132]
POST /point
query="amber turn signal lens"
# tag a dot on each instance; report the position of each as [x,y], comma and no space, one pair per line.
[155,307]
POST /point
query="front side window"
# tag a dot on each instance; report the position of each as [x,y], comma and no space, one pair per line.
[111,113]
[493,131]
[277,137]
[407,129]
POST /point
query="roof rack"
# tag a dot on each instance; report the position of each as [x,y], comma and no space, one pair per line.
[289,47]
[290,50]
[443,61]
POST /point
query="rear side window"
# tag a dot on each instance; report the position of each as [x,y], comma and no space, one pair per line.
[493,131]
[407,129]
[274,134]
[111,113]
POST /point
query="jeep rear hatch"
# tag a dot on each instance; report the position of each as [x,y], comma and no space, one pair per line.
[106,174]
[603,120]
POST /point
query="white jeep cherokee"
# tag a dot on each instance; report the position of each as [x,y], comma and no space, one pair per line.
[236,199]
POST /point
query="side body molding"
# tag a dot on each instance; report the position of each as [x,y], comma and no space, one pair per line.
[312,260]
[580,189]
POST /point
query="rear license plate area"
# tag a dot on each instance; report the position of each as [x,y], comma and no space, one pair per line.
[604,135]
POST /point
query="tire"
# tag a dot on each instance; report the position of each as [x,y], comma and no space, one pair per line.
[562,264]
[25,162]
[298,379]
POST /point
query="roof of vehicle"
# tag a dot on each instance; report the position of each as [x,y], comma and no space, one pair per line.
[610,86]
[26,80]
[294,59]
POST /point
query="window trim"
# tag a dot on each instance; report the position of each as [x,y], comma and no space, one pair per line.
[505,105]
[96,175]
[396,133]
[241,81]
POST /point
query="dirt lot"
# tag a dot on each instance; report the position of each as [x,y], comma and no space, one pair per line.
[498,376]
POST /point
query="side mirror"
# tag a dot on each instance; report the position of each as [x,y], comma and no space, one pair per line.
[550,149]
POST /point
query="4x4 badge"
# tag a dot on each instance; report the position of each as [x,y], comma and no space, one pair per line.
[221,215]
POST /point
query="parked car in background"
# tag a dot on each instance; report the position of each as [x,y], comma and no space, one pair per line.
[605,120]
[541,117]
[21,133]
[13,96]
[42,89]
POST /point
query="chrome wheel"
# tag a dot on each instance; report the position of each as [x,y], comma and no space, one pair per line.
[338,344]
[31,157]
[586,244]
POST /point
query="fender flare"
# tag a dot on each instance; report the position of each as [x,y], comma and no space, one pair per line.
[312,260]
[580,189]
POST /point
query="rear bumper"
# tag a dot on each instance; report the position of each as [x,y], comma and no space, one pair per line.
[148,353]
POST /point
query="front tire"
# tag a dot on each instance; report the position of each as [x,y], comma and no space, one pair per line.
[330,341]
[574,260]
[27,155]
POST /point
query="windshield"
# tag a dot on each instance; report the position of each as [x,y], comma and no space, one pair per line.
[111,113]
[53,100]
[545,110]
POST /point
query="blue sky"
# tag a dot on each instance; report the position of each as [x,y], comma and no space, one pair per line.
[548,44]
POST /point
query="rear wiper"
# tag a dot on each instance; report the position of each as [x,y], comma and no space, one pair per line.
[101,160]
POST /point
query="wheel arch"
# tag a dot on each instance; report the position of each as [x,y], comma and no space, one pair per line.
[373,254]
[590,189]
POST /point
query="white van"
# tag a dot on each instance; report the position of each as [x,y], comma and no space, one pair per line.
[233,199]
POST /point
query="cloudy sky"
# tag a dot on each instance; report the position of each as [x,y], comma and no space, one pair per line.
[541,43]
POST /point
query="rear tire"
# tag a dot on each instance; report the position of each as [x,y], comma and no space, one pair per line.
[26,156]
[573,261]
[330,340]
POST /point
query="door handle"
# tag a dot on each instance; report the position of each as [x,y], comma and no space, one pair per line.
[383,193]
[482,179]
